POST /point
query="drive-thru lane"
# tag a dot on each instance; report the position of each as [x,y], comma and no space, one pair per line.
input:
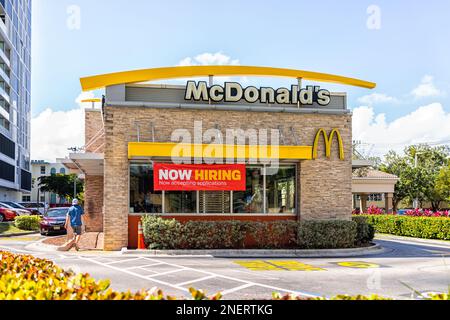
[405,264]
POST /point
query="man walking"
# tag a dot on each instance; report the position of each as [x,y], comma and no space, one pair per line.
[76,220]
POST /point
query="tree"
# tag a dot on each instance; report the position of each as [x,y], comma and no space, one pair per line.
[443,183]
[62,185]
[397,165]
[417,179]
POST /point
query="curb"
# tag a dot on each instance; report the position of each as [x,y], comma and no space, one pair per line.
[40,246]
[336,253]
[387,237]
[19,234]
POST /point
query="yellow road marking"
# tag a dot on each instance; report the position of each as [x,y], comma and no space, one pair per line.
[295,266]
[273,265]
[358,265]
[258,265]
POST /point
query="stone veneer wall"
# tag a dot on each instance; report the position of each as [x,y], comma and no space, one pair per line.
[93,204]
[93,123]
[325,184]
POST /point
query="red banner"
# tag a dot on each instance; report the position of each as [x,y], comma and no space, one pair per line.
[173,177]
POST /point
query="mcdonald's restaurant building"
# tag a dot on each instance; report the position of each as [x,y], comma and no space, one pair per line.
[165,149]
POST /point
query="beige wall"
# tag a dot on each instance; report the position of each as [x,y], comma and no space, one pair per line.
[325,184]
[93,204]
[93,124]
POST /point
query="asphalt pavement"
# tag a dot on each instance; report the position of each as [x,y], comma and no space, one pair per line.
[406,266]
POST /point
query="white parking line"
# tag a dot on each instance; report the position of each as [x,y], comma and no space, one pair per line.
[195,281]
[245,286]
[134,274]
[165,273]
[122,261]
[144,266]
[246,283]
[236,279]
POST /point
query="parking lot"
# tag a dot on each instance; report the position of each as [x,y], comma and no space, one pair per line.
[404,265]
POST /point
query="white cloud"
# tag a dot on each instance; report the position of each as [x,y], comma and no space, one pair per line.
[207,58]
[376,98]
[428,124]
[426,88]
[53,132]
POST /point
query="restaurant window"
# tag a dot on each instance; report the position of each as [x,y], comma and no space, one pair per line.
[272,193]
[252,199]
[280,190]
[215,202]
[180,202]
[143,198]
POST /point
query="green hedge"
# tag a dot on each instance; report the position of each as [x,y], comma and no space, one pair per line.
[28,223]
[365,232]
[162,233]
[417,227]
[332,234]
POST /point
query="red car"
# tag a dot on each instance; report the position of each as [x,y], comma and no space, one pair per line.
[6,214]
[53,221]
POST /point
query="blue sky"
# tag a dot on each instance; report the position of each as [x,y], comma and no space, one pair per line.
[327,36]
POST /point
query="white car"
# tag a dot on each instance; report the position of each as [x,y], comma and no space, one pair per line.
[38,206]
[19,212]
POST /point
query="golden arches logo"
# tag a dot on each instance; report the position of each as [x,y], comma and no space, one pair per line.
[328,143]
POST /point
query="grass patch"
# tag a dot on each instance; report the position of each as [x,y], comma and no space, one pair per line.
[7,229]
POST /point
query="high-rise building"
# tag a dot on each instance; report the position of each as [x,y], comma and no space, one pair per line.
[15,104]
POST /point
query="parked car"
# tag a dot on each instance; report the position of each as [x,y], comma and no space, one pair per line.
[402,212]
[39,206]
[19,212]
[6,214]
[53,221]
[15,205]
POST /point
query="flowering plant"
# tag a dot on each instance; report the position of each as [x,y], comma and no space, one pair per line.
[374,210]
[427,213]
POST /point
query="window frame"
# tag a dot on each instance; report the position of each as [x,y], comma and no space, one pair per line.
[296,213]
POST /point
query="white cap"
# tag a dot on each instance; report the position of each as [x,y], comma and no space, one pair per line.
[75,202]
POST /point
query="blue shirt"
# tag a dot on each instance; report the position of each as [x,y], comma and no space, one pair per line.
[75,214]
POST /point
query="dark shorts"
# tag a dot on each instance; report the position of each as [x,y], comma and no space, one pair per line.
[77,230]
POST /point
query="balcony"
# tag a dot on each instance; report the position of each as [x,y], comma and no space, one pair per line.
[3,73]
[4,94]
[4,57]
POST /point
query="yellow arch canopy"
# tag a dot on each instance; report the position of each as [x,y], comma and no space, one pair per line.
[158,74]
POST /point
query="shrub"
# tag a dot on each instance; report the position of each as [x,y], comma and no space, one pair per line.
[24,277]
[365,232]
[417,227]
[330,234]
[375,210]
[162,233]
[27,223]
[427,213]
[274,235]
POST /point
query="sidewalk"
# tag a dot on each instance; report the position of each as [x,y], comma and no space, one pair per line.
[89,242]
[382,236]
[336,253]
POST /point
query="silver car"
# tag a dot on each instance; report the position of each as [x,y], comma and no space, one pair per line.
[19,212]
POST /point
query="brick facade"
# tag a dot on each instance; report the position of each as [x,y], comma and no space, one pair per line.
[93,125]
[93,204]
[325,184]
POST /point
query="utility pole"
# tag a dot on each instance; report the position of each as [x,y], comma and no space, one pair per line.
[75,187]
[416,165]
